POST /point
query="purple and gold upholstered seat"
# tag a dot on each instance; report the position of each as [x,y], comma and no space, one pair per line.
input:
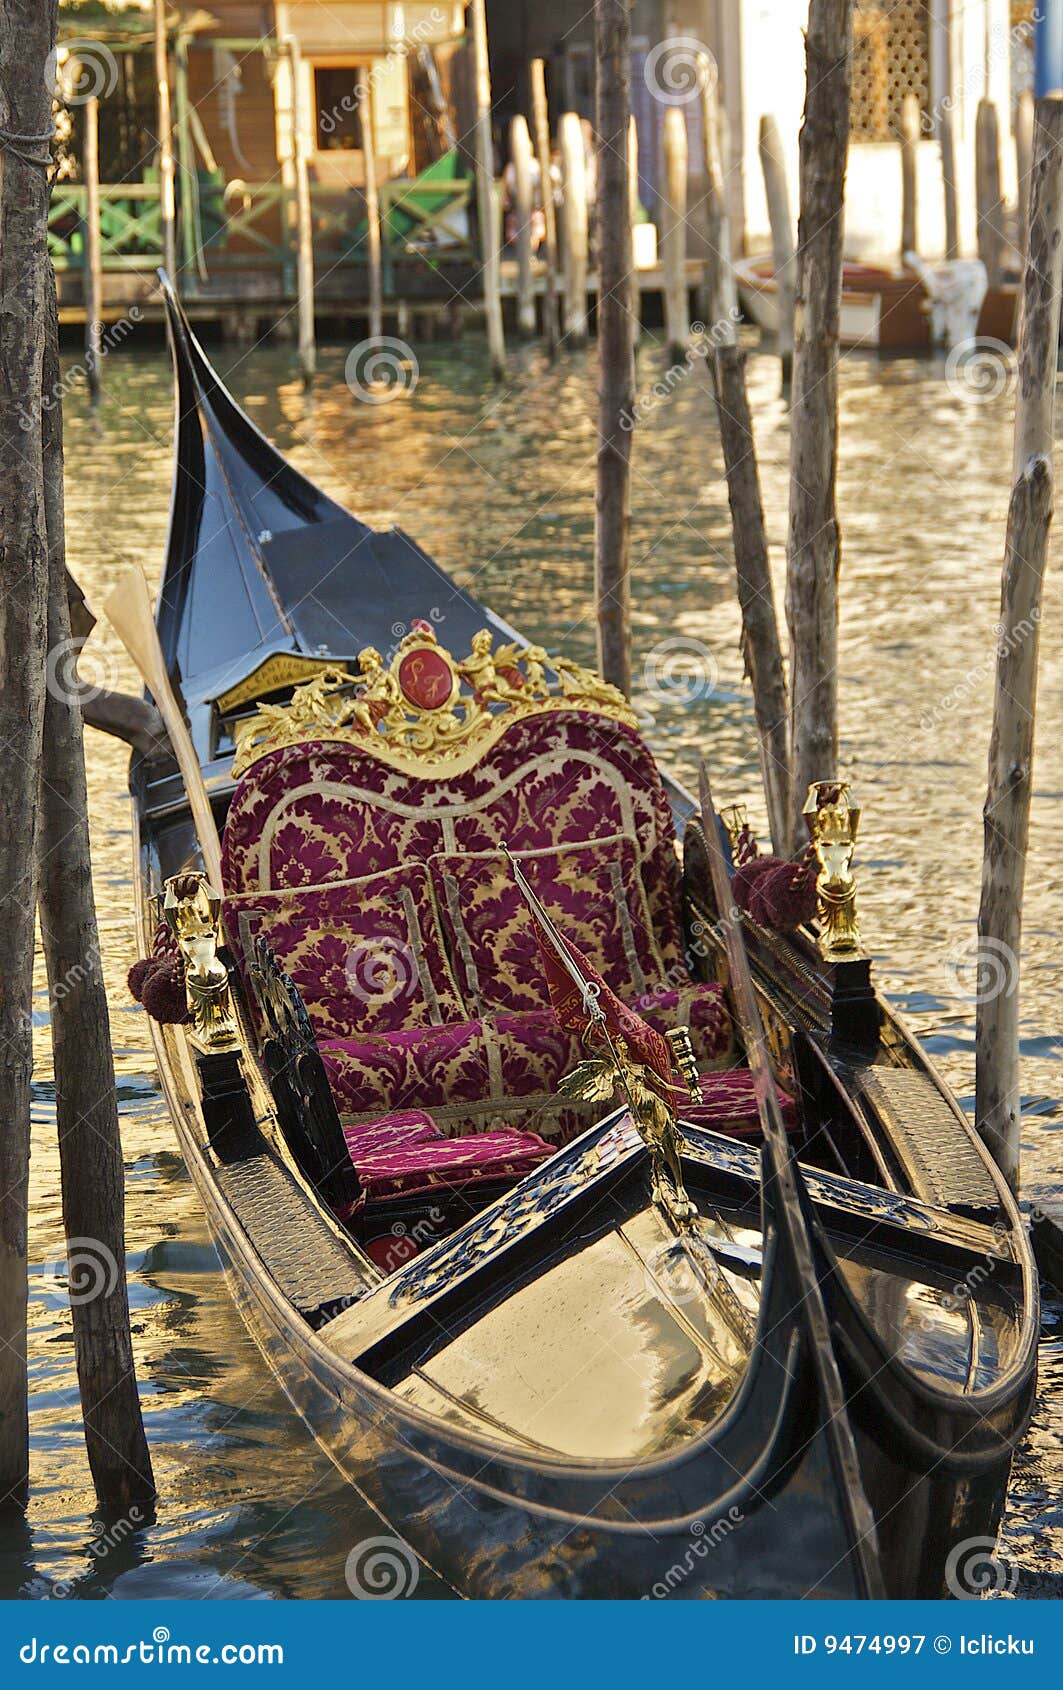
[374,870]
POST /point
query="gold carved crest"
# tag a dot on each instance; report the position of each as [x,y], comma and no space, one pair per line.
[424,710]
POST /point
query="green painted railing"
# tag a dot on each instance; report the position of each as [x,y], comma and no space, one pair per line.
[249,224]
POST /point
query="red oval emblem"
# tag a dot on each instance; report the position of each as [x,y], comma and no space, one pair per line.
[426,679]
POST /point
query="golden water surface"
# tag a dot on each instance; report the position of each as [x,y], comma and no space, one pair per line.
[498,485]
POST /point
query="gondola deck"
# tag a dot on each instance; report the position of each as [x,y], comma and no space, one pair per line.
[552,1385]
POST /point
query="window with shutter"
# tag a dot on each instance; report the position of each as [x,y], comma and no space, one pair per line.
[891,58]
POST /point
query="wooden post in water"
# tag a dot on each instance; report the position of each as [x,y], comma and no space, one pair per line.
[93,272]
[988,195]
[90,1145]
[719,267]
[814,550]
[574,224]
[634,290]
[541,119]
[781,218]
[374,246]
[520,152]
[486,197]
[164,122]
[761,646]
[1007,806]
[1024,127]
[911,133]
[947,145]
[304,222]
[616,368]
[673,220]
[27,37]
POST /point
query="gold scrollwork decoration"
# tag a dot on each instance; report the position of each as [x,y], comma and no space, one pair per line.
[425,710]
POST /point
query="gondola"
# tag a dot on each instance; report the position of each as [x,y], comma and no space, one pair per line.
[794,1361]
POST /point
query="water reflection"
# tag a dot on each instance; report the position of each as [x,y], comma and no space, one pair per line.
[498,486]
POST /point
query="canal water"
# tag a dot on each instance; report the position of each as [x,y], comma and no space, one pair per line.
[498,485]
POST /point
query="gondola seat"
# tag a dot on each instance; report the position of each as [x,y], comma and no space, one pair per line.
[369,858]
[405,1155]
[729,1106]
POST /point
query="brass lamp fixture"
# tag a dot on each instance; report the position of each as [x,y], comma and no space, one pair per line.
[832,816]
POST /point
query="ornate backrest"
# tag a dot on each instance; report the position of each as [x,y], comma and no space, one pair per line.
[402,761]
[425,712]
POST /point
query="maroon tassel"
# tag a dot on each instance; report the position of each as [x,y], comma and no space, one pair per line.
[163,993]
[158,981]
[777,893]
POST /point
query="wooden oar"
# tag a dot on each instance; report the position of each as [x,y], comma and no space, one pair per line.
[786,1177]
[129,610]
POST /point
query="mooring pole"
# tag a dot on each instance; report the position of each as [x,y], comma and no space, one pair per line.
[988,192]
[781,218]
[486,195]
[616,366]
[92,1169]
[27,38]
[304,222]
[911,131]
[374,243]
[520,153]
[164,123]
[93,271]
[1007,807]
[1024,122]
[947,146]
[574,224]
[673,221]
[719,268]
[814,551]
[541,120]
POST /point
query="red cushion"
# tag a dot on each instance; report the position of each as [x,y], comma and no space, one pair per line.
[451,1163]
[366,954]
[471,1075]
[590,889]
[729,1105]
[406,1127]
